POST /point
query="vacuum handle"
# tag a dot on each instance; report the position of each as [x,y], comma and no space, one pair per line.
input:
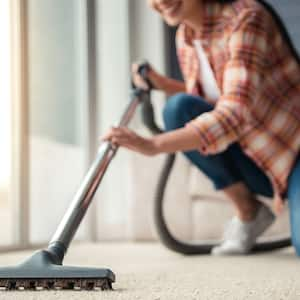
[147,107]
[143,70]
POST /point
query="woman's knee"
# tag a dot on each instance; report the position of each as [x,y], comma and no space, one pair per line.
[181,108]
[173,111]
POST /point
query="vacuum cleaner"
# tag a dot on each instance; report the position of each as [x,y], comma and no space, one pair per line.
[45,269]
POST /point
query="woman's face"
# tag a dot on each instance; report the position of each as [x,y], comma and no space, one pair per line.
[175,11]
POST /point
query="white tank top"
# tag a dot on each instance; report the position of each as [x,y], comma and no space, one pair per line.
[208,81]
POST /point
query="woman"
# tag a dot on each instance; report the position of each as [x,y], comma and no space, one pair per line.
[236,116]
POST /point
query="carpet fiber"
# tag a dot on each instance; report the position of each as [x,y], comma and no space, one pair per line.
[148,271]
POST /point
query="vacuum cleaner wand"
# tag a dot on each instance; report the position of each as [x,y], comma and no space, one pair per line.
[77,209]
[44,269]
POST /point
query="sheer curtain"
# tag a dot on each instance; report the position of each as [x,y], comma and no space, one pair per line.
[57,116]
[5,125]
[79,58]
[127,31]
[72,83]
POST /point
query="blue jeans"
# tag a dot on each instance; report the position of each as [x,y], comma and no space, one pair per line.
[232,165]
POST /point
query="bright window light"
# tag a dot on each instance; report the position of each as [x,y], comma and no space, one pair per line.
[5,93]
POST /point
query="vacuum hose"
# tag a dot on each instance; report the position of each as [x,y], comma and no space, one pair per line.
[164,234]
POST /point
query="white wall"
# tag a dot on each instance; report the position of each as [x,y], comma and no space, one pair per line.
[127,31]
[289,11]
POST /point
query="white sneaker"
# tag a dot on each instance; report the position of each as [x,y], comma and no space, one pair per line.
[239,237]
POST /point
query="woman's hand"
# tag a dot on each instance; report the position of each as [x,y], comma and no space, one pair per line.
[124,137]
[138,80]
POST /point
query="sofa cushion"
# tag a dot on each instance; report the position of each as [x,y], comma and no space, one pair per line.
[200,186]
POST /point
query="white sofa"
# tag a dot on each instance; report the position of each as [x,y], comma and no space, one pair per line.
[194,210]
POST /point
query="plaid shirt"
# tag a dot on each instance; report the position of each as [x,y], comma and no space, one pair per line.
[259,80]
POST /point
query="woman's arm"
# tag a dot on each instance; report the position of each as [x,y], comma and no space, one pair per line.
[168,85]
[183,139]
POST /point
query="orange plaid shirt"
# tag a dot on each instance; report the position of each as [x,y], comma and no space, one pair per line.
[259,81]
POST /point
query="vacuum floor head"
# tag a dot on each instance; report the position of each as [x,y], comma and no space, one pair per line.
[41,272]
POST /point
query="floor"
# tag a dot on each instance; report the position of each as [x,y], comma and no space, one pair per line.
[149,271]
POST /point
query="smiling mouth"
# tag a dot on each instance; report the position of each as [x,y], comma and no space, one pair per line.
[172,9]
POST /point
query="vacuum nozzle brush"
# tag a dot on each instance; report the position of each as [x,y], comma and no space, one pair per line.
[41,272]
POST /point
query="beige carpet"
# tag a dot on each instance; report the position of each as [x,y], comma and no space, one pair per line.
[148,271]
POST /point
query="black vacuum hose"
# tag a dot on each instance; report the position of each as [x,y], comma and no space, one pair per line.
[186,248]
[164,234]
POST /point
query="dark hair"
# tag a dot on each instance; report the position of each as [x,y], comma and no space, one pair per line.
[278,20]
